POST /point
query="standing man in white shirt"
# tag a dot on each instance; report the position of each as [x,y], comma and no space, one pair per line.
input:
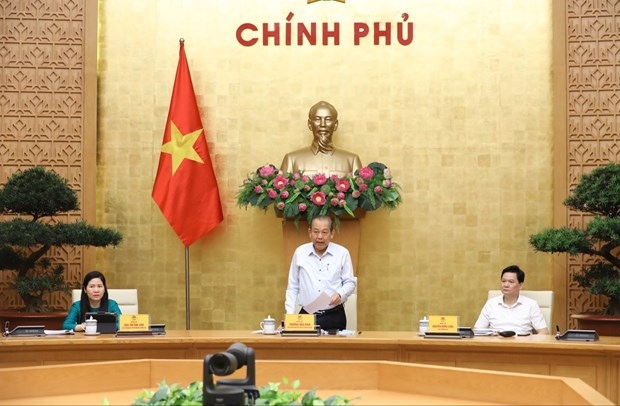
[510,310]
[321,266]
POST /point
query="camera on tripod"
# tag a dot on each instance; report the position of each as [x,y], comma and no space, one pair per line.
[230,391]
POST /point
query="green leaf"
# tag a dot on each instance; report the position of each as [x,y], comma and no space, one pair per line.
[598,194]
[298,190]
[37,192]
[564,239]
[34,194]
[269,394]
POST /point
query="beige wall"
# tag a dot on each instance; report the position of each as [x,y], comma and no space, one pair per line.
[463,116]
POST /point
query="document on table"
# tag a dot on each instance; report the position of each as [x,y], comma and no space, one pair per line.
[483,332]
[58,332]
[319,303]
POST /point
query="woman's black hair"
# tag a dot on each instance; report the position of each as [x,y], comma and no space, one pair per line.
[85,303]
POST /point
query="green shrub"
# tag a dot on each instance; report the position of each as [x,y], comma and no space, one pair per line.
[270,394]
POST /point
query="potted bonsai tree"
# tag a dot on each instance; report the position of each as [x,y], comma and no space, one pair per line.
[598,194]
[30,203]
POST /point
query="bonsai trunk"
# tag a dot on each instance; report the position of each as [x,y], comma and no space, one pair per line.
[34,303]
[613,307]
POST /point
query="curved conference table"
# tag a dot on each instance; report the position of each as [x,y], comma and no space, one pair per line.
[596,363]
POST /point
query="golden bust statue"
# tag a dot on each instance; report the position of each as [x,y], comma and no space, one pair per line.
[322,156]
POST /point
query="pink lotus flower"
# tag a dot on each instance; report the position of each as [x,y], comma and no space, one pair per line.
[318,193]
[280,182]
[319,179]
[366,173]
[266,171]
[318,198]
[343,185]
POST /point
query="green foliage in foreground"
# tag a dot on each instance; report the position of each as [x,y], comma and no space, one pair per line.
[171,395]
[270,394]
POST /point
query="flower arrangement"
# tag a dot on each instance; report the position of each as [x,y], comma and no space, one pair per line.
[270,394]
[298,196]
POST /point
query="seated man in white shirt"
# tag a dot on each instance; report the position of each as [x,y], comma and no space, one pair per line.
[512,311]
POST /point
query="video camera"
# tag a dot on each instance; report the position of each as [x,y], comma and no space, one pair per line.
[230,391]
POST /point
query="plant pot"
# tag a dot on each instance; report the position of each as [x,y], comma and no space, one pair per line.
[359,213]
[604,325]
[51,320]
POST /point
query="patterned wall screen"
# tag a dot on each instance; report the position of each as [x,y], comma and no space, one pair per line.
[42,107]
[592,111]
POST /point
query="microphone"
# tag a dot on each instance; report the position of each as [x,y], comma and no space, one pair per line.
[557,331]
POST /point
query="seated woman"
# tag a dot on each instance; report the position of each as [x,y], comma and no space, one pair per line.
[94,299]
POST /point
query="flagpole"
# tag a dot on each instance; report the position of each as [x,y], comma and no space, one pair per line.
[185,181]
[187,312]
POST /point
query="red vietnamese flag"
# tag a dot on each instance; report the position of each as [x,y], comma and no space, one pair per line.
[185,187]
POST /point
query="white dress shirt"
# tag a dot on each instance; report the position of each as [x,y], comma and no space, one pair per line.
[521,317]
[310,275]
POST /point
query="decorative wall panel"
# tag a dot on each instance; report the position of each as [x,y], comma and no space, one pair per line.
[42,92]
[592,111]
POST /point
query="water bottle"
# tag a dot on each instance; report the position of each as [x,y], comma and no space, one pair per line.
[423,325]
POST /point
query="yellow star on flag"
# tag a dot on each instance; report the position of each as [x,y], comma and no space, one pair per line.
[181,146]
